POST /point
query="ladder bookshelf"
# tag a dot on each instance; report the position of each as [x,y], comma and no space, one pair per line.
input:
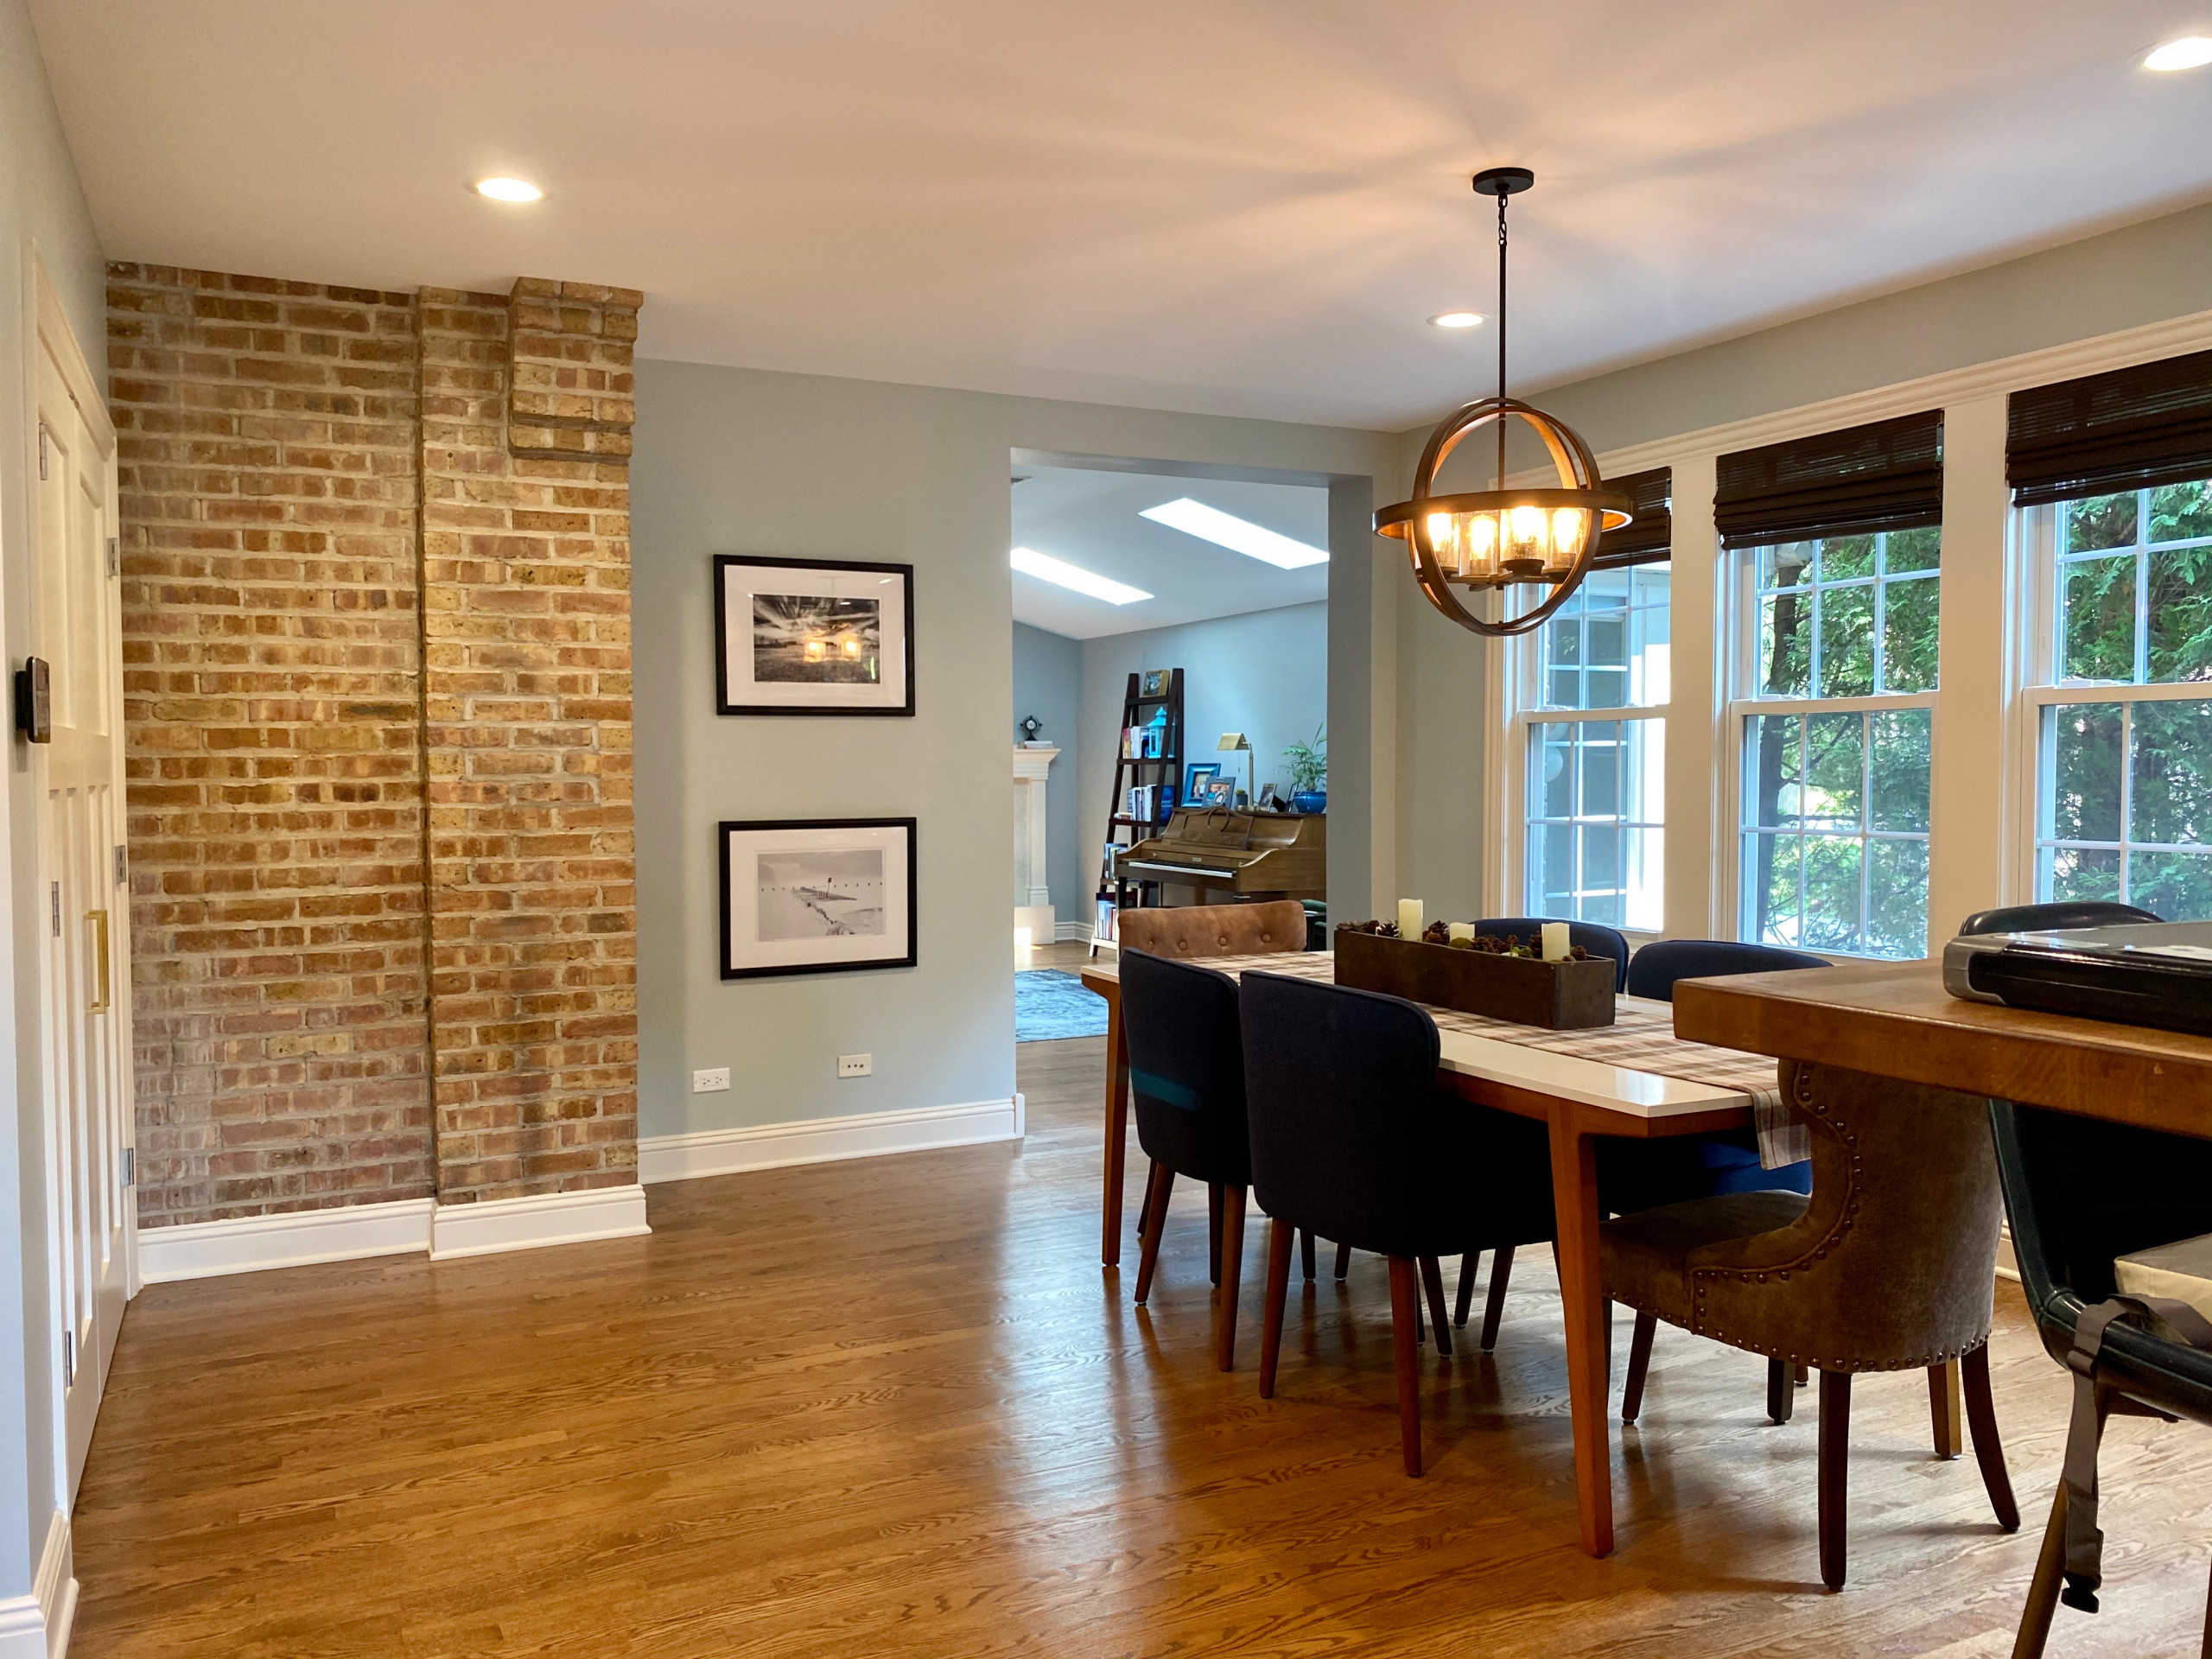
[1134,772]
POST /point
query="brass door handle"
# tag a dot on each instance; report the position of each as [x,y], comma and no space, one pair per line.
[100,985]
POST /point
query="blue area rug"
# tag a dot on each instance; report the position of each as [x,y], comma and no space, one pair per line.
[1049,1004]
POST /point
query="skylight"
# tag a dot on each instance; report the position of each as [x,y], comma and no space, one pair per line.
[1046,568]
[1227,529]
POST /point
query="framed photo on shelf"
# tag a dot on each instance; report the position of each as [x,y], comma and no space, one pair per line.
[816,895]
[1219,791]
[813,637]
[1196,776]
[1153,683]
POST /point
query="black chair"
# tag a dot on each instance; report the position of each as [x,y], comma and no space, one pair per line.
[1352,1139]
[2043,918]
[1186,1070]
[1593,936]
[2080,1193]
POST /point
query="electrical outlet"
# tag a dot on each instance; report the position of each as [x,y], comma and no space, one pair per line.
[856,1066]
[707,1082]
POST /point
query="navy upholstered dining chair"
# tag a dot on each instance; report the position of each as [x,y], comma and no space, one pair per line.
[1352,1139]
[1593,936]
[1186,1071]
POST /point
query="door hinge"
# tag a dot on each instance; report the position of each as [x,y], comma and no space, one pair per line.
[114,556]
[55,889]
[122,863]
[68,1360]
[130,1166]
[41,452]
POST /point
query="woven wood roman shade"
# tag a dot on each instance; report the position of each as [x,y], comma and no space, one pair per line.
[1650,538]
[2127,429]
[1887,475]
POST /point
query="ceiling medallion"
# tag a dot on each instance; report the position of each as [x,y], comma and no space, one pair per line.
[1504,538]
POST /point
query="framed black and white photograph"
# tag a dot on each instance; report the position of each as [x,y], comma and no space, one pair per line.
[817,896]
[813,637]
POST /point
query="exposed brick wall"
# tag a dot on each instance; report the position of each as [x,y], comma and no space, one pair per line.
[526,654]
[268,483]
[378,712]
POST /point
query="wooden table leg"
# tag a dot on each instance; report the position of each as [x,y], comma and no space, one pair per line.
[1117,1127]
[1582,1299]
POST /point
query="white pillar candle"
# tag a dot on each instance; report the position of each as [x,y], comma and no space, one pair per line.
[1555,945]
[1409,919]
[1460,932]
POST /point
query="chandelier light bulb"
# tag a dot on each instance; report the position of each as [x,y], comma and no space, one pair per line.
[2189,51]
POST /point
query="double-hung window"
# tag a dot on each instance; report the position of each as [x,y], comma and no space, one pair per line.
[1596,730]
[2123,704]
[1833,684]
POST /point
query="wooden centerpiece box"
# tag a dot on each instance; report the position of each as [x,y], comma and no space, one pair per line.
[1526,990]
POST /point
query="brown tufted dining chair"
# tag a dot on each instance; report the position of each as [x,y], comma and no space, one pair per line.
[1890,1265]
[1182,931]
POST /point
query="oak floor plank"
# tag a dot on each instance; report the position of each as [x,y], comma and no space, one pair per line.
[895,1407]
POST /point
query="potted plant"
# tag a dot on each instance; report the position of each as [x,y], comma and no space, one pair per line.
[1309,773]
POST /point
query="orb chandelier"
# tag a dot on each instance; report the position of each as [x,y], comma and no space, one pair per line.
[1504,538]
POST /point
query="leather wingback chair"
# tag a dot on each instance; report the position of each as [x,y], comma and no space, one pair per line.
[1593,936]
[1889,1265]
[1186,1071]
[2082,1192]
[2042,919]
[1185,931]
[1350,1139]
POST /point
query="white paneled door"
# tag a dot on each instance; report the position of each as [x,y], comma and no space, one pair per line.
[84,978]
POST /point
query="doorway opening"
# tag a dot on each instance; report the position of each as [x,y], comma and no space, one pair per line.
[1171,674]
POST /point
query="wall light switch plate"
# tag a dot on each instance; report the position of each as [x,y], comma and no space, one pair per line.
[708,1081]
[856,1066]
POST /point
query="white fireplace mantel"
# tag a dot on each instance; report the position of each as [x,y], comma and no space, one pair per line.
[1032,878]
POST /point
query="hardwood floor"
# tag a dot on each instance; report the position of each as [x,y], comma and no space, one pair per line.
[896,1407]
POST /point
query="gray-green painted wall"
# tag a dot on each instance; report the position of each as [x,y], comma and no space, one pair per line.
[742,460]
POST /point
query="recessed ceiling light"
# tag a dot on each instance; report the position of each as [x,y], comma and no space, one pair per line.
[1227,529]
[1457,319]
[2190,52]
[1046,568]
[508,189]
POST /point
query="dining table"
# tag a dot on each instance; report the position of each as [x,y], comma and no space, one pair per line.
[1635,1080]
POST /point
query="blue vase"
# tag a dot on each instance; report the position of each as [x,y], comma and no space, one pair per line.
[1310,800]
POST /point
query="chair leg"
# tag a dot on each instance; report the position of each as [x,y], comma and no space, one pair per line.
[1144,1209]
[1988,1451]
[1155,1223]
[1501,1269]
[1467,1287]
[1278,1289]
[1639,1362]
[1432,1279]
[1804,1374]
[1232,1270]
[1834,1465]
[1405,1308]
[1943,1409]
[1781,1391]
[1306,1252]
[1213,1232]
[1343,1260]
[2050,1579]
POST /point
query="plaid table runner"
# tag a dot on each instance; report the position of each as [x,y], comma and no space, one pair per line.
[1639,1040]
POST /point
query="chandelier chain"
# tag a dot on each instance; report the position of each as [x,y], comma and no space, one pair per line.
[1503,198]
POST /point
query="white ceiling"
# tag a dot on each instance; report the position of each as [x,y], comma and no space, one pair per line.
[1091,520]
[1242,207]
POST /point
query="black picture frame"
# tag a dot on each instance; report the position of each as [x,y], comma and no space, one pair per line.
[729,829]
[875,698]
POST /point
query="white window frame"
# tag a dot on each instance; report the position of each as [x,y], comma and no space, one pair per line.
[1731,834]
[2035,534]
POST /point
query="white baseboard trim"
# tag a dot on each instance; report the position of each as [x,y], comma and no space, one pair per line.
[36,1626]
[820,1140]
[200,1249]
[1064,932]
[204,1249]
[499,1224]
